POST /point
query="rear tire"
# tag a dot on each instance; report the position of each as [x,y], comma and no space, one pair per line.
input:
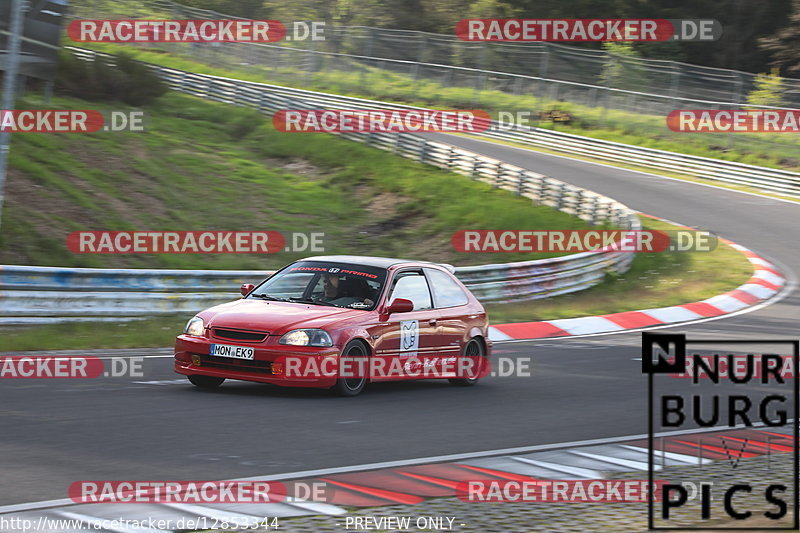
[206,382]
[474,348]
[351,386]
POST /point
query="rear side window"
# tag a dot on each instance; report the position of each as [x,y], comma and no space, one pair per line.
[446,292]
[412,286]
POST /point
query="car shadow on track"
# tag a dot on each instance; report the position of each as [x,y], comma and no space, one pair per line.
[245,389]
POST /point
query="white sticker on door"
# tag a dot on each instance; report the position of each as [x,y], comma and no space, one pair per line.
[409,337]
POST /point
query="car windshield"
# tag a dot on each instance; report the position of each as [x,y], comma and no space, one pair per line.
[324,283]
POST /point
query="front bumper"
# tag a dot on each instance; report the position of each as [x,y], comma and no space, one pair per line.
[192,358]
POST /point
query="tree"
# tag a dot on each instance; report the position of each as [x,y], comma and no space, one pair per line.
[236,8]
[767,90]
[622,69]
[784,45]
[118,78]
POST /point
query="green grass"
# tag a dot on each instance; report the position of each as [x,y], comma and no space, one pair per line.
[153,332]
[771,150]
[208,166]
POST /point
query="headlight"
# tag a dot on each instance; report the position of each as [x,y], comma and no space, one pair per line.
[195,326]
[307,337]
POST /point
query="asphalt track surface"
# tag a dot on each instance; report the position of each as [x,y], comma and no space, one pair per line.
[55,432]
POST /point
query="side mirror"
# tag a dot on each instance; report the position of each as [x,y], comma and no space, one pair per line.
[400,305]
[246,288]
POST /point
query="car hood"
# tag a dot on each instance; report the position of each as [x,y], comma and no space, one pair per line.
[275,317]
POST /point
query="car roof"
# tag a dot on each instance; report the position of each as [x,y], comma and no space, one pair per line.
[366,260]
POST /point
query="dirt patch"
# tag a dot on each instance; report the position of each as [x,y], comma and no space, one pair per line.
[43,206]
[299,167]
[382,209]
[23,193]
[388,218]
[132,199]
[380,205]
[129,204]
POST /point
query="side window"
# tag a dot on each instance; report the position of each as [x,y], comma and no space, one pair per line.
[446,291]
[412,286]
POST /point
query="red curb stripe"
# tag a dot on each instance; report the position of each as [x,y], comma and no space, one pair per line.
[703,309]
[632,319]
[390,495]
[789,438]
[391,479]
[743,296]
[767,269]
[764,283]
[447,483]
[531,330]
[759,444]
[720,450]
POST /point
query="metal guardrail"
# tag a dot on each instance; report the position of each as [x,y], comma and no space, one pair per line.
[762,178]
[266,96]
[31,294]
[47,293]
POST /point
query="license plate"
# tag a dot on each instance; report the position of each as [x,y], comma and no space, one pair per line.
[237,352]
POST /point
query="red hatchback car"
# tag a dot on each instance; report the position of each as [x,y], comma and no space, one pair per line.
[339,322]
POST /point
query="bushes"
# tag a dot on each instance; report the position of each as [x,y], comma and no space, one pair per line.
[116,78]
[768,89]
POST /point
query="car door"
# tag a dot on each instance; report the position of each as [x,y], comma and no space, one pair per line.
[452,304]
[407,339]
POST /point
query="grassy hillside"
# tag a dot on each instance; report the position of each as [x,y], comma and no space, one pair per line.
[207,166]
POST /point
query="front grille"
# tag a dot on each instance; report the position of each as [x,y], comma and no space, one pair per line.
[238,335]
[247,365]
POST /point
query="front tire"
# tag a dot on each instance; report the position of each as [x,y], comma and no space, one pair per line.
[351,386]
[206,382]
[474,349]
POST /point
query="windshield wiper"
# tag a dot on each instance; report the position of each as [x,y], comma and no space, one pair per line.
[312,301]
[268,297]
